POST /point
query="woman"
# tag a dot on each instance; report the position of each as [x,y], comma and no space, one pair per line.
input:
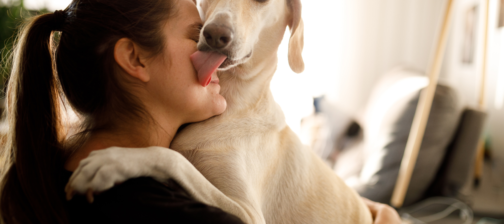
[125,67]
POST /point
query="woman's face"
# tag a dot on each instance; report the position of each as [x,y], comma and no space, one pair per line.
[174,84]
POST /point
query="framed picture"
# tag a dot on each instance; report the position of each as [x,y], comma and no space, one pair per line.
[465,50]
[470,23]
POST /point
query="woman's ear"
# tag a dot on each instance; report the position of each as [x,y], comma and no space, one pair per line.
[129,57]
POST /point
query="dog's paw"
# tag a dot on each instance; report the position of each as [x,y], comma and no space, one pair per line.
[103,169]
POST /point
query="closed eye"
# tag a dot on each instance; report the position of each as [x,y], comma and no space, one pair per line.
[194,31]
[261,1]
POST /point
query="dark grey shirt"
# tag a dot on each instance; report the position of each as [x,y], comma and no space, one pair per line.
[145,200]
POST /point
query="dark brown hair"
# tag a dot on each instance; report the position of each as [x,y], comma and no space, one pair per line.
[82,67]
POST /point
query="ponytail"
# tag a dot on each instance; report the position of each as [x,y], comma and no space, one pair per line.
[30,192]
[86,74]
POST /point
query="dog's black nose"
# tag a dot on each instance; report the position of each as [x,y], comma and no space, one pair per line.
[217,36]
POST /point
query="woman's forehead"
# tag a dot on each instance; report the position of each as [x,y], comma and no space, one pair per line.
[186,15]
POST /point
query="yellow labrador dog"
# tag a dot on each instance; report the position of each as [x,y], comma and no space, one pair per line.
[246,161]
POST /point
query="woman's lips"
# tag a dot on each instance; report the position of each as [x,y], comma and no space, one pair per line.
[215,78]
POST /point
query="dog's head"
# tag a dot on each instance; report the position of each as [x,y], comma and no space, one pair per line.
[242,28]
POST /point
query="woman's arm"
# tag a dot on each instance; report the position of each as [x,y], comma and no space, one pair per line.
[145,200]
[102,169]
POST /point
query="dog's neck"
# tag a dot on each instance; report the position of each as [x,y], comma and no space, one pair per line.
[243,94]
[247,86]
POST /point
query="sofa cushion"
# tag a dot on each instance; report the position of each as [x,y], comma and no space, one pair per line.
[387,122]
[461,152]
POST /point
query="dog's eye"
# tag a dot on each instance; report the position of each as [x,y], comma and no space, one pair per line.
[261,1]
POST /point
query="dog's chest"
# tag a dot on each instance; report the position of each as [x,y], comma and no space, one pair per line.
[237,165]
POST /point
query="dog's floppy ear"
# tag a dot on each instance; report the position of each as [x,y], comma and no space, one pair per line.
[296,41]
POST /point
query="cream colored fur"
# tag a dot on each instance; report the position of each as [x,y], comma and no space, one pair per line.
[249,153]
[257,167]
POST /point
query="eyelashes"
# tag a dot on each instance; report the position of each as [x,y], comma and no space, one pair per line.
[196,32]
[196,38]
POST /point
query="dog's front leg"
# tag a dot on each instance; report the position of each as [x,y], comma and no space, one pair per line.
[102,169]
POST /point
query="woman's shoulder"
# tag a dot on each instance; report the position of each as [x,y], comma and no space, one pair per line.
[145,200]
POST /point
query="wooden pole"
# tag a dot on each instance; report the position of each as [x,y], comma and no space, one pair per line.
[421,115]
[479,160]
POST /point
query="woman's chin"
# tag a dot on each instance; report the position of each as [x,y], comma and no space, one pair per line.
[220,105]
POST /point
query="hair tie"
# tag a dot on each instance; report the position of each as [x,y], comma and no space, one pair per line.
[60,19]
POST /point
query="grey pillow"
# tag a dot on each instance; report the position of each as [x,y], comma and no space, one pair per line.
[461,152]
[386,132]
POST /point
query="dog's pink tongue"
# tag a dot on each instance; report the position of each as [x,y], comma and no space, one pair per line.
[206,63]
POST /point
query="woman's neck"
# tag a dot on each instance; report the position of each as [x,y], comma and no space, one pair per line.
[158,133]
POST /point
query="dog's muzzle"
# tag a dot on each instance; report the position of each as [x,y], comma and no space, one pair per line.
[218,33]
[219,37]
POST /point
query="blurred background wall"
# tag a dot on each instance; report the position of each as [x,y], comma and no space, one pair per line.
[349,45]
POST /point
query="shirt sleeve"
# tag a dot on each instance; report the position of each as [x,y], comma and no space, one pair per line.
[145,200]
